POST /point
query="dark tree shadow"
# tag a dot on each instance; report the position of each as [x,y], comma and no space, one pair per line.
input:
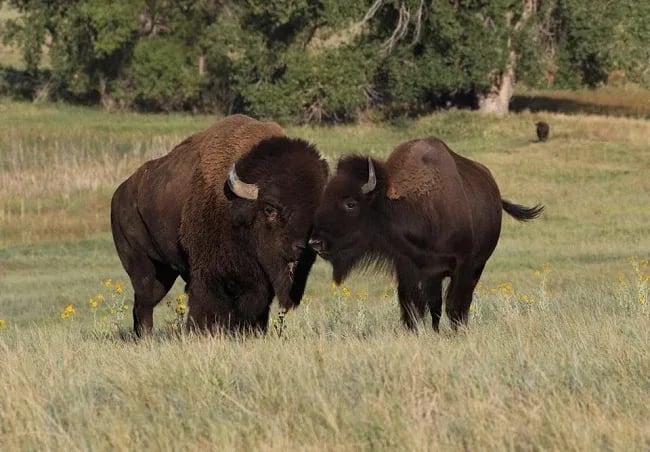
[571,106]
[22,84]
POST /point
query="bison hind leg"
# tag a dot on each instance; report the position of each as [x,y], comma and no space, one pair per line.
[151,281]
[460,293]
[433,294]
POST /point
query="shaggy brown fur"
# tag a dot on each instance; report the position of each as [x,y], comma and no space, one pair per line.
[432,214]
[177,215]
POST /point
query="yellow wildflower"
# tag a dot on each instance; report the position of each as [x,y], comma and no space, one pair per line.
[3,323]
[506,289]
[346,292]
[181,297]
[527,298]
[119,287]
[538,273]
[68,311]
[99,297]
[93,303]
[108,282]
[125,307]
[180,308]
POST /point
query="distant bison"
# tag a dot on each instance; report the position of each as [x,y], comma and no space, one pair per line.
[542,129]
[428,211]
[236,244]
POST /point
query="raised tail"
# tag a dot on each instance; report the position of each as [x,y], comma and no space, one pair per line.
[522,213]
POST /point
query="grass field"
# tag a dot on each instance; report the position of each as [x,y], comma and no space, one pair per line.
[556,356]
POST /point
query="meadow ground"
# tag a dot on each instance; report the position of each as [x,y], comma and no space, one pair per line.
[556,356]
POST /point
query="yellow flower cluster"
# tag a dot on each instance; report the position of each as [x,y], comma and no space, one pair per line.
[3,323]
[117,285]
[96,301]
[542,272]
[525,298]
[68,311]
[504,289]
[181,304]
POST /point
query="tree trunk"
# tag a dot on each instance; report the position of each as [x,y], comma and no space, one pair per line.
[105,97]
[497,100]
[202,65]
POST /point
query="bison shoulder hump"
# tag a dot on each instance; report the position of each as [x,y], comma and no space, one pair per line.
[414,169]
[226,141]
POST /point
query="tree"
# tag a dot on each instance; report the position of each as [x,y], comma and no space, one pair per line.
[465,46]
[327,60]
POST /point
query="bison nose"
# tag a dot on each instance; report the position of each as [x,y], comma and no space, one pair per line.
[316,244]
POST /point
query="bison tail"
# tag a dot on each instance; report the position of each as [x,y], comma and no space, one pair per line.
[522,213]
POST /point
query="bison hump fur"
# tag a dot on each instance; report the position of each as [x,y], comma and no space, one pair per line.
[223,143]
[415,169]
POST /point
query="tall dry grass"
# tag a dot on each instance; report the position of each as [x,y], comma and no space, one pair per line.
[568,375]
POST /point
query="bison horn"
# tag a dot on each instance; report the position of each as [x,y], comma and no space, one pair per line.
[372,179]
[241,189]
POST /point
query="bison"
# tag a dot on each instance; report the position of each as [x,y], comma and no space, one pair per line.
[428,211]
[542,130]
[230,210]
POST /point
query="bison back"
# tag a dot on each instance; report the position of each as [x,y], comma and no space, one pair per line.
[147,207]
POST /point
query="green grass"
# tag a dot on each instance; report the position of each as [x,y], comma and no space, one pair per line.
[552,360]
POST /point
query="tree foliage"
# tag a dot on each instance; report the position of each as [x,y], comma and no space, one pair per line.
[324,60]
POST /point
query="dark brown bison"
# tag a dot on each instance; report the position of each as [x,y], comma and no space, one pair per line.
[229,210]
[428,211]
[542,130]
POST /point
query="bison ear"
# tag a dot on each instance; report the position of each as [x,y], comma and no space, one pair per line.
[242,210]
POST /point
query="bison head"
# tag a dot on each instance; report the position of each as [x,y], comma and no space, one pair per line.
[274,191]
[347,225]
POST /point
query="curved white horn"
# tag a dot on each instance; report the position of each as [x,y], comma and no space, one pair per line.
[372,179]
[241,189]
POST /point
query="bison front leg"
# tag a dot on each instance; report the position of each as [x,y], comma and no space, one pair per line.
[203,303]
[411,300]
[254,307]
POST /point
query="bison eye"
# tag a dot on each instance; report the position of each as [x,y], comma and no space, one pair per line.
[350,205]
[270,212]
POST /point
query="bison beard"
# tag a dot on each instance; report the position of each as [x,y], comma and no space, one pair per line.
[427,212]
[229,210]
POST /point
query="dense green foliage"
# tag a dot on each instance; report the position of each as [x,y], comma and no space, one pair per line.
[306,60]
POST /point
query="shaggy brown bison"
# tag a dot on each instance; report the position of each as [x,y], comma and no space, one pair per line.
[542,130]
[229,210]
[428,211]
